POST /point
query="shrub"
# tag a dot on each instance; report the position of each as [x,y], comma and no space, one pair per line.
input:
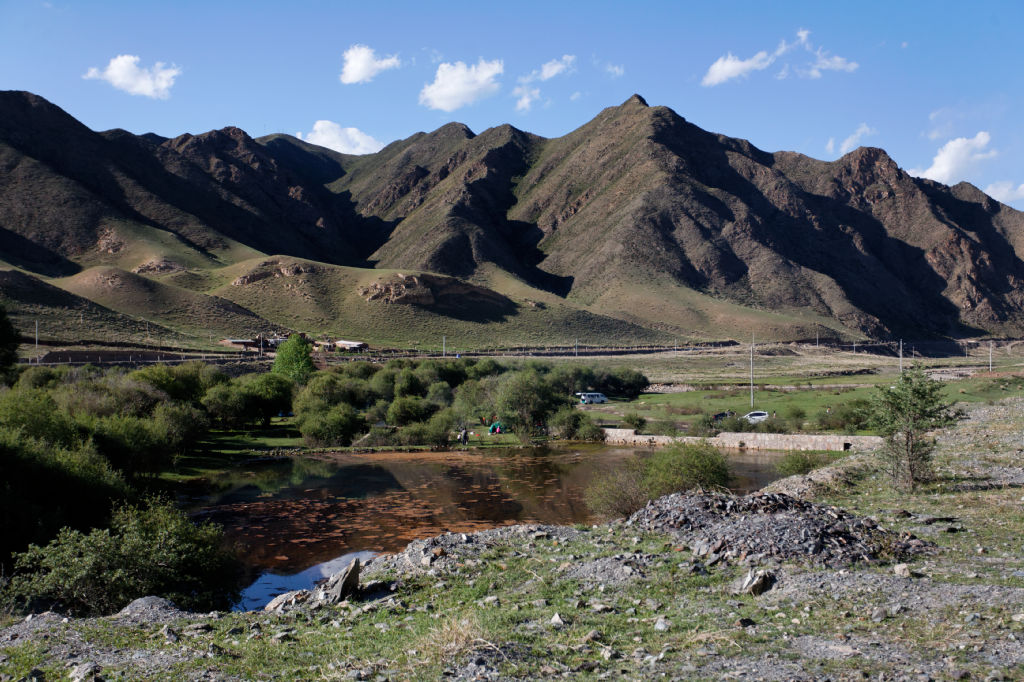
[800,463]
[269,394]
[634,421]
[671,469]
[681,467]
[408,409]
[439,393]
[35,414]
[133,445]
[771,425]
[663,427]
[180,425]
[153,550]
[408,384]
[851,416]
[619,492]
[525,401]
[703,427]
[44,487]
[229,404]
[335,427]
[382,384]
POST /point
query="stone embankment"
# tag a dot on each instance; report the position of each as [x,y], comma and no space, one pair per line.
[750,441]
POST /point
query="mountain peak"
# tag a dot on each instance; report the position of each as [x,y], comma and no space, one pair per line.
[635,100]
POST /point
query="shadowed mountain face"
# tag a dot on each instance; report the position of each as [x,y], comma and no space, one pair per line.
[637,200]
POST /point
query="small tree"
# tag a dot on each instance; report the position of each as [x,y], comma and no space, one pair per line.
[294,359]
[903,414]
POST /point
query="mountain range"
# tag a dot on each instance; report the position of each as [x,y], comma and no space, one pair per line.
[636,227]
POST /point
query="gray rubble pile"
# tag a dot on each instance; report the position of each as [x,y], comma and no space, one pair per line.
[760,526]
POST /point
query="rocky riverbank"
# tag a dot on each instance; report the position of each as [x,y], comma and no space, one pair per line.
[831,576]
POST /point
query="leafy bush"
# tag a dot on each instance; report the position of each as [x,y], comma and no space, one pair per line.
[634,421]
[617,493]
[662,427]
[132,445]
[335,427]
[408,384]
[439,393]
[704,427]
[44,487]
[180,425]
[771,425]
[685,466]
[525,401]
[154,550]
[35,414]
[800,463]
[409,409]
[573,424]
[678,467]
[848,417]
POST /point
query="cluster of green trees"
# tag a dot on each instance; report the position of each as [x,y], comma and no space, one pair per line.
[421,402]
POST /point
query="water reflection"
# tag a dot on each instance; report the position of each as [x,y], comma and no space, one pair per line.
[301,519]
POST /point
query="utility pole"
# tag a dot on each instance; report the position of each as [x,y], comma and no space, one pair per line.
[751,371]
[576,352]
[444,346]
[901,356]
[816,340]
[37,345]
[989,352]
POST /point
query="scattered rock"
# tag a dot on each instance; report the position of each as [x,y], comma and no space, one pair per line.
[556,621]
[84,672]
[755,583]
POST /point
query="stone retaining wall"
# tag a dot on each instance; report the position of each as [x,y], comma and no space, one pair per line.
[752,441]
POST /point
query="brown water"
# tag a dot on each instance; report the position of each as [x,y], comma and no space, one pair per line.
[302,519]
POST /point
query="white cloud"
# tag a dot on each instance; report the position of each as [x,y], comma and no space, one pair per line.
[124,73]
[955,158]
[361,64]
[575,96]
[1005,191]
[728,67]
[456,85]
[527,96]
[853,141]
[549,70]
[345,140]
[826,62]
[615,70]
[830,146]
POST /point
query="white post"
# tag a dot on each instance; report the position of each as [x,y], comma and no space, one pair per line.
[751,371]
[901,356]
[989,355]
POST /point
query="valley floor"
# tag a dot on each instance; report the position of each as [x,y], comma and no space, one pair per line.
[868,583]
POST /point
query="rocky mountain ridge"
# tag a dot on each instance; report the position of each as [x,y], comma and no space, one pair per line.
[638,216]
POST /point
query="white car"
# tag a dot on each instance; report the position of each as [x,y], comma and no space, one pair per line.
[755,417]
[592,398]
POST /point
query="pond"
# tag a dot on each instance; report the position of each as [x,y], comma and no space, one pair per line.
[302,519]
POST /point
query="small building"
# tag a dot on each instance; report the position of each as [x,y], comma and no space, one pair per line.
[350,345]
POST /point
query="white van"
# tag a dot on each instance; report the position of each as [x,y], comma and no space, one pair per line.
[592,398]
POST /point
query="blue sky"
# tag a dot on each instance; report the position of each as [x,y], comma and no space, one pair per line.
[937,84]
